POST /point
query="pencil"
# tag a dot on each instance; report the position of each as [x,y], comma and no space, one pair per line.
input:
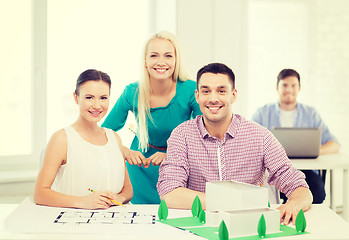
[110,199]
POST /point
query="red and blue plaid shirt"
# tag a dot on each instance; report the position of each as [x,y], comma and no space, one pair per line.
[247,150]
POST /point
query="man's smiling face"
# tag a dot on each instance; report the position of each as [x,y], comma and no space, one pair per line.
[215,95]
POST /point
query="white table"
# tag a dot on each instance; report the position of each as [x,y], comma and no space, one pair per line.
[322,223]
[330,162]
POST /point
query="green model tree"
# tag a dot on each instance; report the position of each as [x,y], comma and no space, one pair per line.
[202,216]
[163,210]
[301,223]
[196,207]
[223,231]
[261,229]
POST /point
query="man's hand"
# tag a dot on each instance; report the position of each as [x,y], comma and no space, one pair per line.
[288,212]
[301,198]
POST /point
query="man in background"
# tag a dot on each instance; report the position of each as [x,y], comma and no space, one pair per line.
[287,112]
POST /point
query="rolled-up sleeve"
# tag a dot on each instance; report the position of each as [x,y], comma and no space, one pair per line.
[174,170]
[282,173]
[326,135]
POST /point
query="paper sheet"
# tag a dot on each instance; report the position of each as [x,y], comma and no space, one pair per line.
[31,218]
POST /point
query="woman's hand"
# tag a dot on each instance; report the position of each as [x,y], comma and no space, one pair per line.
[120,199]
[116,197]
[135,157]
[97,200]
[157,158]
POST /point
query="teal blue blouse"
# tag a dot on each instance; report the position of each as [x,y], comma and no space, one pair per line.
[182,107]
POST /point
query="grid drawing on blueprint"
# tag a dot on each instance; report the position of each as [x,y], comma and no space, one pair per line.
[96,217]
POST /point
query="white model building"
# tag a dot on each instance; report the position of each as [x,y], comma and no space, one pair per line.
[241,206]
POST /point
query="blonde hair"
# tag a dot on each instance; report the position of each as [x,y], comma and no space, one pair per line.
[145,90]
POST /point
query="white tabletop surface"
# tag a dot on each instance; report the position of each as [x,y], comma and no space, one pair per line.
[322,223]
[326,161]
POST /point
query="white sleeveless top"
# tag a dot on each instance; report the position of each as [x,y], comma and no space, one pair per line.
[100,168]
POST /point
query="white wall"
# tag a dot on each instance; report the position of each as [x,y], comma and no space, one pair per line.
[329,66]
[214,31]
[217,30]
[309,35]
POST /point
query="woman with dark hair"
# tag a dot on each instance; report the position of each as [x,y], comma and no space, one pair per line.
[84,160]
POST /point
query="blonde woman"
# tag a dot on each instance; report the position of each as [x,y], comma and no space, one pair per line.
[162,100]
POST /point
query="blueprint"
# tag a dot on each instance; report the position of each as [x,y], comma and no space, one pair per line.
[96,217]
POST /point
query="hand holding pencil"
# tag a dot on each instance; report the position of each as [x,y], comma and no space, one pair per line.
[95,200]
[114,201]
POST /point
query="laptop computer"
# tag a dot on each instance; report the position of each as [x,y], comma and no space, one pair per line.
[299,142]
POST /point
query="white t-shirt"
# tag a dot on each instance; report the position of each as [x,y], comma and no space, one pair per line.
[287,118]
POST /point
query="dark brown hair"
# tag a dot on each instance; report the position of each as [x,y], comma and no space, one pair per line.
[216,68]
[288,73]
[91,75]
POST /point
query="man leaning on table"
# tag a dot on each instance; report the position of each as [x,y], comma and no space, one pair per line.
[220,145]
[287,112]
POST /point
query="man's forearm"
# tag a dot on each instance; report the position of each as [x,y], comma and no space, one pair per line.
[329,147]
[183,198]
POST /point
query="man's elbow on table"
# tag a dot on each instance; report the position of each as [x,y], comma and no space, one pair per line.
[182,198]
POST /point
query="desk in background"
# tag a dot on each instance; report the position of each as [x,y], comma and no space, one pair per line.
[330,162]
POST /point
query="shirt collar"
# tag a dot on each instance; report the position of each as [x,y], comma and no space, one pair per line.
[231,130]
[278,108]
[201,127]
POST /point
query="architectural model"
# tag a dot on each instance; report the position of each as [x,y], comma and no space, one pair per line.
[240,206]
[233,210]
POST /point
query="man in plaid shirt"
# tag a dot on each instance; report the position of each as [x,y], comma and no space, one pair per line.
[220,145]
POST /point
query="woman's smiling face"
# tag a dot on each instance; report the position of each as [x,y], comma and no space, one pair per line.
[160,59]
